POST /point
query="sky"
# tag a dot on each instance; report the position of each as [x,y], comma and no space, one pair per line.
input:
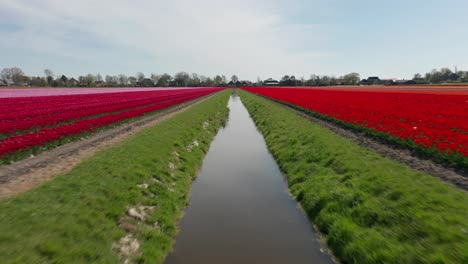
[249,38]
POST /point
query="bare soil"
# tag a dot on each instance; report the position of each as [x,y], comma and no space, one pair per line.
[26,174]
[402,155]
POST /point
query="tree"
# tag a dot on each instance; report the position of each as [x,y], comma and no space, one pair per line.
[445,74]
[194,80]
[302,81]
[155,77]
[312,81]
[123,79]
[164,80]
[181,79]
[49,76]
[14,74]
[259,80]
[463,75]
[352,78]
[90,80]
[218,81]
[234,78]
[132,80]
[209,82]
[109,80]
[288,80]
[140,76]
[285,81]
[146,83]
[324,80]
[203,78]
[99,78]
[38,81]
[25,79]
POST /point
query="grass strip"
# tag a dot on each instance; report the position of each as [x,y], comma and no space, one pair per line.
[79,216]
[369,208]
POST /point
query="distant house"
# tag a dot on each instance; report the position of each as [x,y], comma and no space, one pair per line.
[64,79]
[246,83]
[72,82]
[9,82]
[364,82]
[231,84]
[374,80]
[454,77]
[271,82]
[99,83]
[387,81]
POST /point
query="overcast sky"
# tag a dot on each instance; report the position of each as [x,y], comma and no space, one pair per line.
[244,37]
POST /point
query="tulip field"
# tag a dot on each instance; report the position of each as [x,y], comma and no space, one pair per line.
[48,115]
[435,119]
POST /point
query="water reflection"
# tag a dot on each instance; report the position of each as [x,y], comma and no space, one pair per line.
[240,211]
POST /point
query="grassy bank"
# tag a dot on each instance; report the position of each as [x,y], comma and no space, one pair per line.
[370,209]
[134,190]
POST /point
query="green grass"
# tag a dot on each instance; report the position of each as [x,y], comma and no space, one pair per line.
[369,208]
[74,218]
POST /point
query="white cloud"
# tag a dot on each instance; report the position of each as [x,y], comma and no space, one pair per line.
[207,36]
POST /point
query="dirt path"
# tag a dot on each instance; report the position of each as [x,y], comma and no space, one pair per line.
[26,174]
[404,156]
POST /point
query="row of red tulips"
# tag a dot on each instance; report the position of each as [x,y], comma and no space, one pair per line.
[38,112]
[428,119]
[45,135]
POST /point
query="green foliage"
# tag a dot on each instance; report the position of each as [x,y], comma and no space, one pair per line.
[370,209]
[74,218]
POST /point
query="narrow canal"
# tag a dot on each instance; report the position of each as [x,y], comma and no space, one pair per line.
[240,210]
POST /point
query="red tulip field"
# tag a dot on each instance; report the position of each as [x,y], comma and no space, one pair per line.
[429,118]
[37,120]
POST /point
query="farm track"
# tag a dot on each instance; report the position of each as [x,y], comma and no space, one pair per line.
[26,174]
[402,155]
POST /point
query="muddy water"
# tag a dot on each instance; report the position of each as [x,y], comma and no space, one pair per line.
[240,210]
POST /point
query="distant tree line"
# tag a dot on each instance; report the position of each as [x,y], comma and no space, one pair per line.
[15,76]
[444,75]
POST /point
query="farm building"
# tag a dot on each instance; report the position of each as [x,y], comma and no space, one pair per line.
[64,79]
[72,82]
[270,82]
